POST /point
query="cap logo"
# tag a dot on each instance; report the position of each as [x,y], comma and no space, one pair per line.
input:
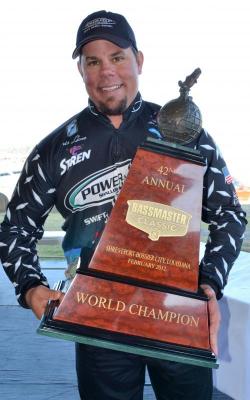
[99,23]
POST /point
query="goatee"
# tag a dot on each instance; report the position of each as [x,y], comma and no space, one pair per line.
[119,109]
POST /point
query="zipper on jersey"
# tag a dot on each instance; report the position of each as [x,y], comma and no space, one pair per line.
[116,147]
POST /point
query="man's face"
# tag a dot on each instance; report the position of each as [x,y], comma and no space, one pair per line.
[110,74]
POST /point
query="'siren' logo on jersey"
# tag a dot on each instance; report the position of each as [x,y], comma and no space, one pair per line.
[99,188]
[75,159]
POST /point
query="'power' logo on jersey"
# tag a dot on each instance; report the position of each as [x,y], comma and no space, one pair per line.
[98,188]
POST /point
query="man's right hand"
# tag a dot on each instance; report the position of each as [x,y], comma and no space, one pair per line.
[38,297]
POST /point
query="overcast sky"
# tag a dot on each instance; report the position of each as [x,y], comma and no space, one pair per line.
[40,87]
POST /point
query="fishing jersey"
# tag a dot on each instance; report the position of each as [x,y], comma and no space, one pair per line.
[80,168]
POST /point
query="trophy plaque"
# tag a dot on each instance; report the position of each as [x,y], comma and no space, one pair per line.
[139,293]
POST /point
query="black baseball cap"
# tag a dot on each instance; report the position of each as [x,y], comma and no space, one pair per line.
[105,25]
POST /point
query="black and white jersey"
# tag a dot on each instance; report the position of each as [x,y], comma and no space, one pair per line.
[80,168]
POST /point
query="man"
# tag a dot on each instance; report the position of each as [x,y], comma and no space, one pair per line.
[80,168]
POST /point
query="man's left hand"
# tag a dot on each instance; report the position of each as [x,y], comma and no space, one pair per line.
[214,317]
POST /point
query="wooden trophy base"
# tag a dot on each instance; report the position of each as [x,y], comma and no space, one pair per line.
[108,313]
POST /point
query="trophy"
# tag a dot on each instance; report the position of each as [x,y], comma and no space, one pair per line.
[139,293]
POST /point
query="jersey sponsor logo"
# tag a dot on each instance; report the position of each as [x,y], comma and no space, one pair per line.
[99,188]
[75,159]
[153,126]
[72,128]
[75,150]
[96,218]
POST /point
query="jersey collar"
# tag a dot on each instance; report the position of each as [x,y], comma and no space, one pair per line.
[130,113]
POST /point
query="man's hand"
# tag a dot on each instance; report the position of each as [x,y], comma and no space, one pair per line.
[214,316]
[38,297]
